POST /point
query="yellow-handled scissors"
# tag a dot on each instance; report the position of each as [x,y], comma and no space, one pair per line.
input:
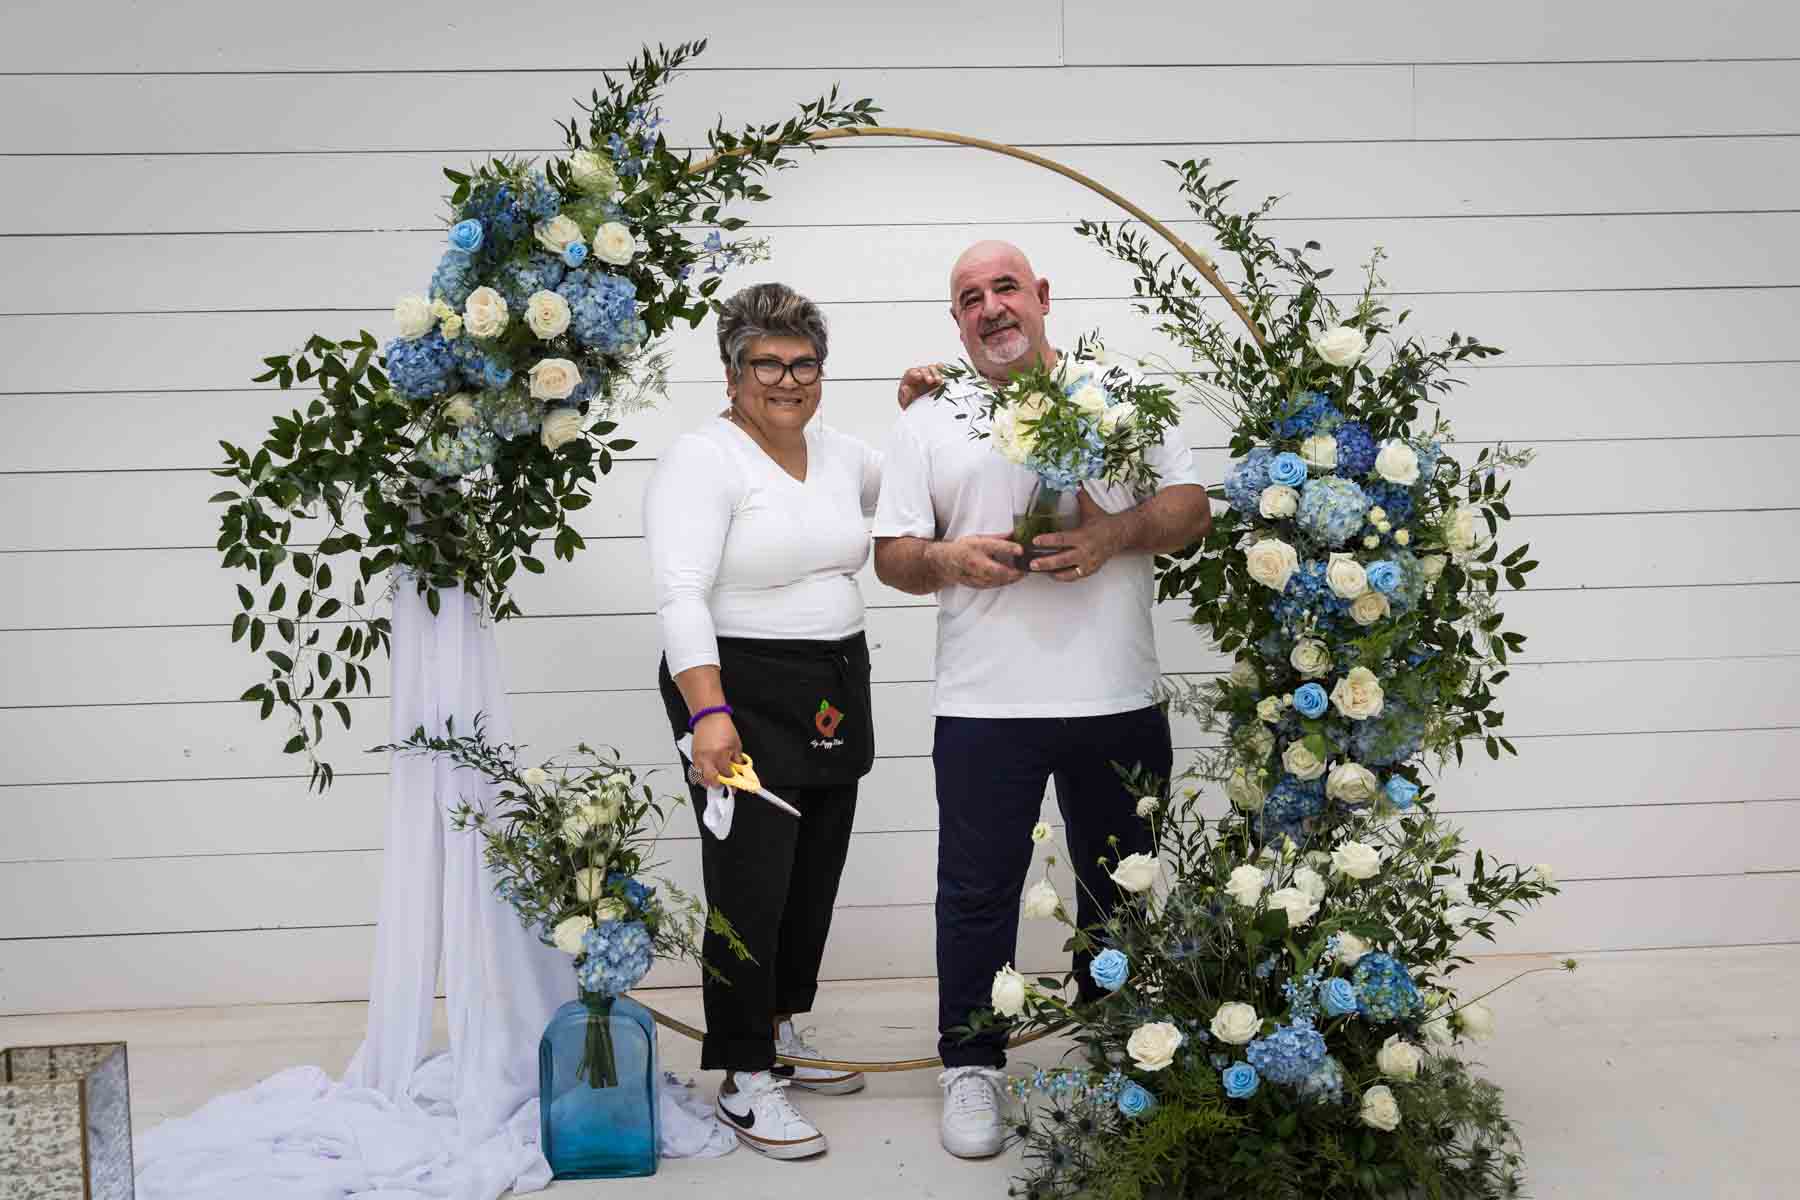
[743,778]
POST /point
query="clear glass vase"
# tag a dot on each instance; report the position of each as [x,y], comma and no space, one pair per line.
[597,1078]
[1047,511]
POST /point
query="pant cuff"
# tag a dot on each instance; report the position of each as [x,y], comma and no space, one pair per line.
[737,1053]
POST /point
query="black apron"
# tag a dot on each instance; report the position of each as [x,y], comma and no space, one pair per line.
[800,707]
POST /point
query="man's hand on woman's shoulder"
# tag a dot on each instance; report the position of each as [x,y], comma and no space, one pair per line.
[919,381]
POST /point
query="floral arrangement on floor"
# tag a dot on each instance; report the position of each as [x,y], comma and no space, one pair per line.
[1282,1018]
[1089,417]
[568,843]
[447,455]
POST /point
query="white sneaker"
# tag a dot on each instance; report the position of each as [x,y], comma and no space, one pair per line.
[813,1079]
[971,1125]
[763,1119]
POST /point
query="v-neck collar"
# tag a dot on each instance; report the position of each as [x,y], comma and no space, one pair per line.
[806,438]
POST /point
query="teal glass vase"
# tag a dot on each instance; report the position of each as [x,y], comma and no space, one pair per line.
[597,1079]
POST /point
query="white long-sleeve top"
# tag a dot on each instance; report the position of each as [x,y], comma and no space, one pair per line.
[740,548]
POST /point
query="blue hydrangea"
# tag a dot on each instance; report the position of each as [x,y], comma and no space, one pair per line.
[1240,1080]
[1332,509]
[1110,969]
[500,214]
[421,368]
[1325,1085]
[1412,582]
[1391,736]
[616,955]
[482,369]
[1307,605]
[1289,808]
[510,414]
[1384,576]
[1067,473]
[1135,1100]
[1313,411]
[540,201]
[1355,449]
[1288,1055]
[1287,469]
[602,309]
[451,456]
[1310,700]
[1338,996]
[454,278]
[1384,989]
[517,280]
[636,894]
[1245,481]
[1401,791]
[1394,501]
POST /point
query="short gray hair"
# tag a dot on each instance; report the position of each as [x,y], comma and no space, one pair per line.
[767,310]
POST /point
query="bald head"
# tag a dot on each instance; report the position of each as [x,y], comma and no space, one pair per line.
[999,305]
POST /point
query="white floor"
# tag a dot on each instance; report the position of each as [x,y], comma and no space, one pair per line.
[1644,1075]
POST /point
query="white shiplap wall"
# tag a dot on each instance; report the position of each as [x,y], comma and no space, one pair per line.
[1610,191]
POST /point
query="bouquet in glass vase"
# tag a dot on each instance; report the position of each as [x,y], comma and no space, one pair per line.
[1088,418]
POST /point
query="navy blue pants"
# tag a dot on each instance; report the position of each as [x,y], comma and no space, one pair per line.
[991,774]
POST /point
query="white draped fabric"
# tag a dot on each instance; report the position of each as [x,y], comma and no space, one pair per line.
[403,1124]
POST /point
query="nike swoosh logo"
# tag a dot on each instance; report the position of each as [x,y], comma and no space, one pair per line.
[747,1121]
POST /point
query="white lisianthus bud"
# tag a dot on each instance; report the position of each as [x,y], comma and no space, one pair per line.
[1311,657]
[451,327]
[458,410]
[1476,1020]
[554,379]
[412,317]
[1371,542]
[1341,346]
[1319,451]
[1040,832]
[1298,906]
[440,310]
[561,426]
[1245,885]
[1235,1023]
[534,777]
[1261,742]
[1245,793]
[1147,806]
[1041,900]
[614,244]
[1379,1109]
[1352,783]
[1152,1047]
[1136,872]
[1310,882]
[1544,873]
[1358,695]
[1397,462]
[484,313]
[567,935]
[1402,537]
[1377,513]
[547,314]
[1459,531]
[578,824]
[1347,578]
[1008,993]
[1269,709]
[1398,1059]
[1272,562]
[1356,860]
[1301,762]
[1369,608]
[1350,949]
[1278,502]
[1383,526]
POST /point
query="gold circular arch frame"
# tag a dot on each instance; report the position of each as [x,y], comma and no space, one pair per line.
[1206,270]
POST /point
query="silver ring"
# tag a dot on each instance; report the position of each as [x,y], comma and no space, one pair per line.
[1078,570]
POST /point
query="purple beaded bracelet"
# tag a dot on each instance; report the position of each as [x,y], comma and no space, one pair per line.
[707,712]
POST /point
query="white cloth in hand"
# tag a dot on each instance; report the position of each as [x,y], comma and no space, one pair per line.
[721,801]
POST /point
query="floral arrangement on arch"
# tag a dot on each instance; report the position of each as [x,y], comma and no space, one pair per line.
[1281,1015]
[451,454]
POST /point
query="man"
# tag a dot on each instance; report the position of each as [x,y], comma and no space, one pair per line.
[1041,673]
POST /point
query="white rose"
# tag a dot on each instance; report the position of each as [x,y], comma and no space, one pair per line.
[1368,608]
[1089,399]
[534,777]
[1119,416]
[1476,1020]
[590,885]
[1433,565]
[1272,562]
[593,173]
[556,234]
[567,934]
[1358,695]
[1319,451]
[1008,995]
[484,313]
[1437,1032]
[1298,906]
[1245,885]
[1245,793]
[1311,657]
[1235,1024]
[1278,502]
[1350,949]
[554,379]
[1347,577]
[1398,1059]
[1135,872]
[1398,463]
[1351,783]
[1261,742]
[1152,1047]
[561,426]
[1147,806]
[1041,900]
[547,314]
[458,410]
[1310,882]
[1544,873]
[1341,346]
[412,316]
[614,244]
[1356,860]
[1269,709]
[1243,673]
[1459,530]
[1040,832]
[1301,762]
[1380,1110]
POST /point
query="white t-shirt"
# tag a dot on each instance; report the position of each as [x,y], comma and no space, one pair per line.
[740,548]
[1039,647]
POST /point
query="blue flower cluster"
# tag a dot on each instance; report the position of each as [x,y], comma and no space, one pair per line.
[617,954]
[1390,737]
[602,310]
[1394,500]
[518,279]
[636,894]
[481,369]
[451,456]
[511,413]
[1325,1085]
[1385,990]
[1332,509]
[1315,413]
[454,278]
[1290,805]
[1355,449]
[1288,1055]
[1065,474]
[1245,481]
[422,367]
[1308,604]
[1401,792]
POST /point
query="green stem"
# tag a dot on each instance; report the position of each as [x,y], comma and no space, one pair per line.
[598,1068]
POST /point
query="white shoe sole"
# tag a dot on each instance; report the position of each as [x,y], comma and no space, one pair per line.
[841,1085]
[810,1147]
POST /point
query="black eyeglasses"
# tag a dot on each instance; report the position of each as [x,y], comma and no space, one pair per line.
[771,371]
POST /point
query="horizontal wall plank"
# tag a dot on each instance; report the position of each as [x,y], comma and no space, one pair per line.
[876,184]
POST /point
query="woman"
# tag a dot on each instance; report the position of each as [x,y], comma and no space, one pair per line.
[756,527]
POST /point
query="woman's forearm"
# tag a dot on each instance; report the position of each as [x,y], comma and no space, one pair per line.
[701,687]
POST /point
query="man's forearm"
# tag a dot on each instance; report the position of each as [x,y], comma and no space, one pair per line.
[1166,522]
[909,564]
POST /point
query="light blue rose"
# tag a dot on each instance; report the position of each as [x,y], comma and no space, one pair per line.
[1338,997]
[1240,1081]
[1135,1100]
[466,235]
[1287,468]
[575,253]
[1110,969]
[1310,700]
[1401,791]
[1384,576]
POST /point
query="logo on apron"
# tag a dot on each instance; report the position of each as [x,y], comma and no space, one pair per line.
[826,722]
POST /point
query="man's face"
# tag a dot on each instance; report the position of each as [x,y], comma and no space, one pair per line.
[999,307]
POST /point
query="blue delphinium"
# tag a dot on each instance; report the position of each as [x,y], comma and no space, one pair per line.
[1240,1080]
[617,955]
[501,216]
[1245,481]
[1332,509]
[1310,700]
[1338,996]
[1384,989]
[1288,1055]
[1401,792]
[1313,410]
[1355,449]
[1325,1085]
[1110,969]
[602,309]
[1384,576]
[454,278]
[422,367]
[1135,1100]
[540,201]
[1288,469]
